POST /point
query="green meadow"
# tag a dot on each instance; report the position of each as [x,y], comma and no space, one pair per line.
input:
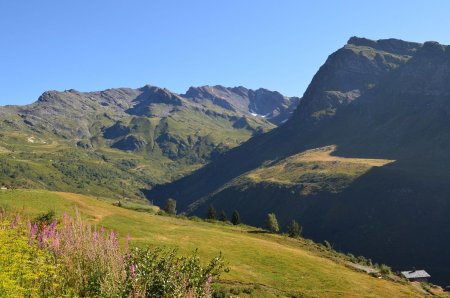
[261,264]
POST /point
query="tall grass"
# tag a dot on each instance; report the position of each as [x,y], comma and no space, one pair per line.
[71,258]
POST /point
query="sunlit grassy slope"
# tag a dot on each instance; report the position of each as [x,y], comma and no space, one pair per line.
[271,264]
[320,162]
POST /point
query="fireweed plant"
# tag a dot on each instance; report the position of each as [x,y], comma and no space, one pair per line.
[70,258]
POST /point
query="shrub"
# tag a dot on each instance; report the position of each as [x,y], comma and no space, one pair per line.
[247,291]
[220,292]
[45,218]
[327,245]
[385,269]
[160,273]
[195,218]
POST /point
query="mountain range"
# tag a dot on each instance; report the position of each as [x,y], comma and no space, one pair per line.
[86,141]
[361,160]
[362,163]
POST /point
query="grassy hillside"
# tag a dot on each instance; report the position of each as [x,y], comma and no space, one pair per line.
[269,265]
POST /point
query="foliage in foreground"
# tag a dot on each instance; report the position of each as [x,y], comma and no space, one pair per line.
[70,258]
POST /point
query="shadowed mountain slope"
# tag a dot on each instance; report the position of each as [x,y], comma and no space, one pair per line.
[381,190]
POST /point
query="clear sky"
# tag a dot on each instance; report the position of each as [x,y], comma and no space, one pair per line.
[97,44]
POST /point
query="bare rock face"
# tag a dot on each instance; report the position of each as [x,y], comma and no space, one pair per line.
[130,143]
[264,103]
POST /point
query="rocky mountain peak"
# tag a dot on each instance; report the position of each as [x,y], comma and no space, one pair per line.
[392,45]
[271,105]
[350,72]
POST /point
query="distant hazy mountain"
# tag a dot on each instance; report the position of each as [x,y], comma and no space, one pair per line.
[144,136]
[362,163]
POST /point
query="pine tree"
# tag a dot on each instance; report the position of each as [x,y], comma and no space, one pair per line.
[272,223]
[294,229]
[235,218]
[171,206]
[223,216]
[212,214]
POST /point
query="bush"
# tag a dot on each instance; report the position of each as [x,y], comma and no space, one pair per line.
[385,269]
[195,218]
[160,273]
[247,291]
[327,245]
[220,292]
[45,218]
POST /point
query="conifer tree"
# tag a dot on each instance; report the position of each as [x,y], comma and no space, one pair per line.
[294,229]
[223,216]
[171,206]
[212,214]
[235,218]
[272,223]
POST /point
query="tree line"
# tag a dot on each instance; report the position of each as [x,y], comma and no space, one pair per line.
[294,229]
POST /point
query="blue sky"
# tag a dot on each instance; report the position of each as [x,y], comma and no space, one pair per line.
[94,44]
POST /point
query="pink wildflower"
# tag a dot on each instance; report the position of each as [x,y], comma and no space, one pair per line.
[55,243]
[95,236]
[132,270]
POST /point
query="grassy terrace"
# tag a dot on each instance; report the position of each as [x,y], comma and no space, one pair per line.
[271,265]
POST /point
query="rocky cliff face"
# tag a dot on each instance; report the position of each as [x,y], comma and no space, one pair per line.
[350,72]
[270,105]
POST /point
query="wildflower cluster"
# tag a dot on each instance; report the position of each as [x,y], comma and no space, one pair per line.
[71,258]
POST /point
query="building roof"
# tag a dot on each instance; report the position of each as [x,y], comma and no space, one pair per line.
[415,274]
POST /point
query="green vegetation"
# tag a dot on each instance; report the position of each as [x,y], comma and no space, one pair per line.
[212,214]
[266,265]
[171,206]
[71,259]
[115,143]
[272,223]
[294,229]
[25,270]
[235,218]
[223,216]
